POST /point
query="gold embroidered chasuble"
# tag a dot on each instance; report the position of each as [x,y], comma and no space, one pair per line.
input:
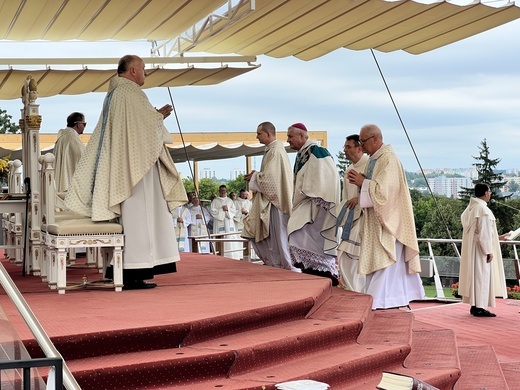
[120,153]
[275,183]
[68,151]
[391,217]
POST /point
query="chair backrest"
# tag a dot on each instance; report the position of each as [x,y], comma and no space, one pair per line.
[47,189]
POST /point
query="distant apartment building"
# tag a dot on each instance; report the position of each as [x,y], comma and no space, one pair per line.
[207,173]
[449,186]
[235,173]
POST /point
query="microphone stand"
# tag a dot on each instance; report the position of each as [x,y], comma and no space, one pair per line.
[503,204]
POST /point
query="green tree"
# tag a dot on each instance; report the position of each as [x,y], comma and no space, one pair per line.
[236,185]
[430,224]
[207,188]
[188,184]
[6,124]
[486,174]
[343,164]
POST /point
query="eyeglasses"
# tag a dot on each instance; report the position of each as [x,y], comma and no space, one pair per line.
[362,141]
[83,123]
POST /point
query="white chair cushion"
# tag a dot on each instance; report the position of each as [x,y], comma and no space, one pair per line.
[63,215]
[83,226]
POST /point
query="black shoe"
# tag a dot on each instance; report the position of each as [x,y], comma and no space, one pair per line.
[138,285]
[483,313]
[472,310]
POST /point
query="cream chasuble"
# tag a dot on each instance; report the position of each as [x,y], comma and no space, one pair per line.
[266,223]
[391,217]
[126,171]
[274,185]
[68,150]
[118,158]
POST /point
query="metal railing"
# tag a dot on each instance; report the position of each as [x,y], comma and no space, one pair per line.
[37,330]
[431,257]
[55,375]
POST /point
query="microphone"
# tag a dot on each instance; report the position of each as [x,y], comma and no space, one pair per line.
[27,184]
[503,204]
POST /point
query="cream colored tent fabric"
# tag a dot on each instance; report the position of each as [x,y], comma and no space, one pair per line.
[74,82]
[95,20]
[309,29]
[303,28]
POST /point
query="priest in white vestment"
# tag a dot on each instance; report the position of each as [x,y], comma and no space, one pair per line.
[481,276]
[68,150]
[312,224]
[350,219]
[200,216]
[127,173]
[389,250]
[182,222]
[243,205]
[223,210]
[266,222]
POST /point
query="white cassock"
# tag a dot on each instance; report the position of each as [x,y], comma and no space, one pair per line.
[68,150]
[198,226]
[480,282]
[181,228]
[223,223]
[349,247]
[243,206]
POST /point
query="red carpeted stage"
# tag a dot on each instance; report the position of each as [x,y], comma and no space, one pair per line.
[227,324]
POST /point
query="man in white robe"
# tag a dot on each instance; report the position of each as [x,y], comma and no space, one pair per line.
[312,224]
[389,250]
[127,172]
[68,150]
[350,219]
[481,276]
[200,216]
[182,222]
[266,222]
[243,205]
[223,210]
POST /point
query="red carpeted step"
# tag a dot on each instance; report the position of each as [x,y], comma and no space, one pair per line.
[387,327]
[511,373]
[141,370]
[343,305]
[211,328]
[336,366]
[480,369]
[434,358]
[275,345]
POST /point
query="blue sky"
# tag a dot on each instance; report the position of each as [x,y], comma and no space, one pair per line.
[449,99]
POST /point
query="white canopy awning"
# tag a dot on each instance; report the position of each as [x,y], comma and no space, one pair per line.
[73,82]
[306,29]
